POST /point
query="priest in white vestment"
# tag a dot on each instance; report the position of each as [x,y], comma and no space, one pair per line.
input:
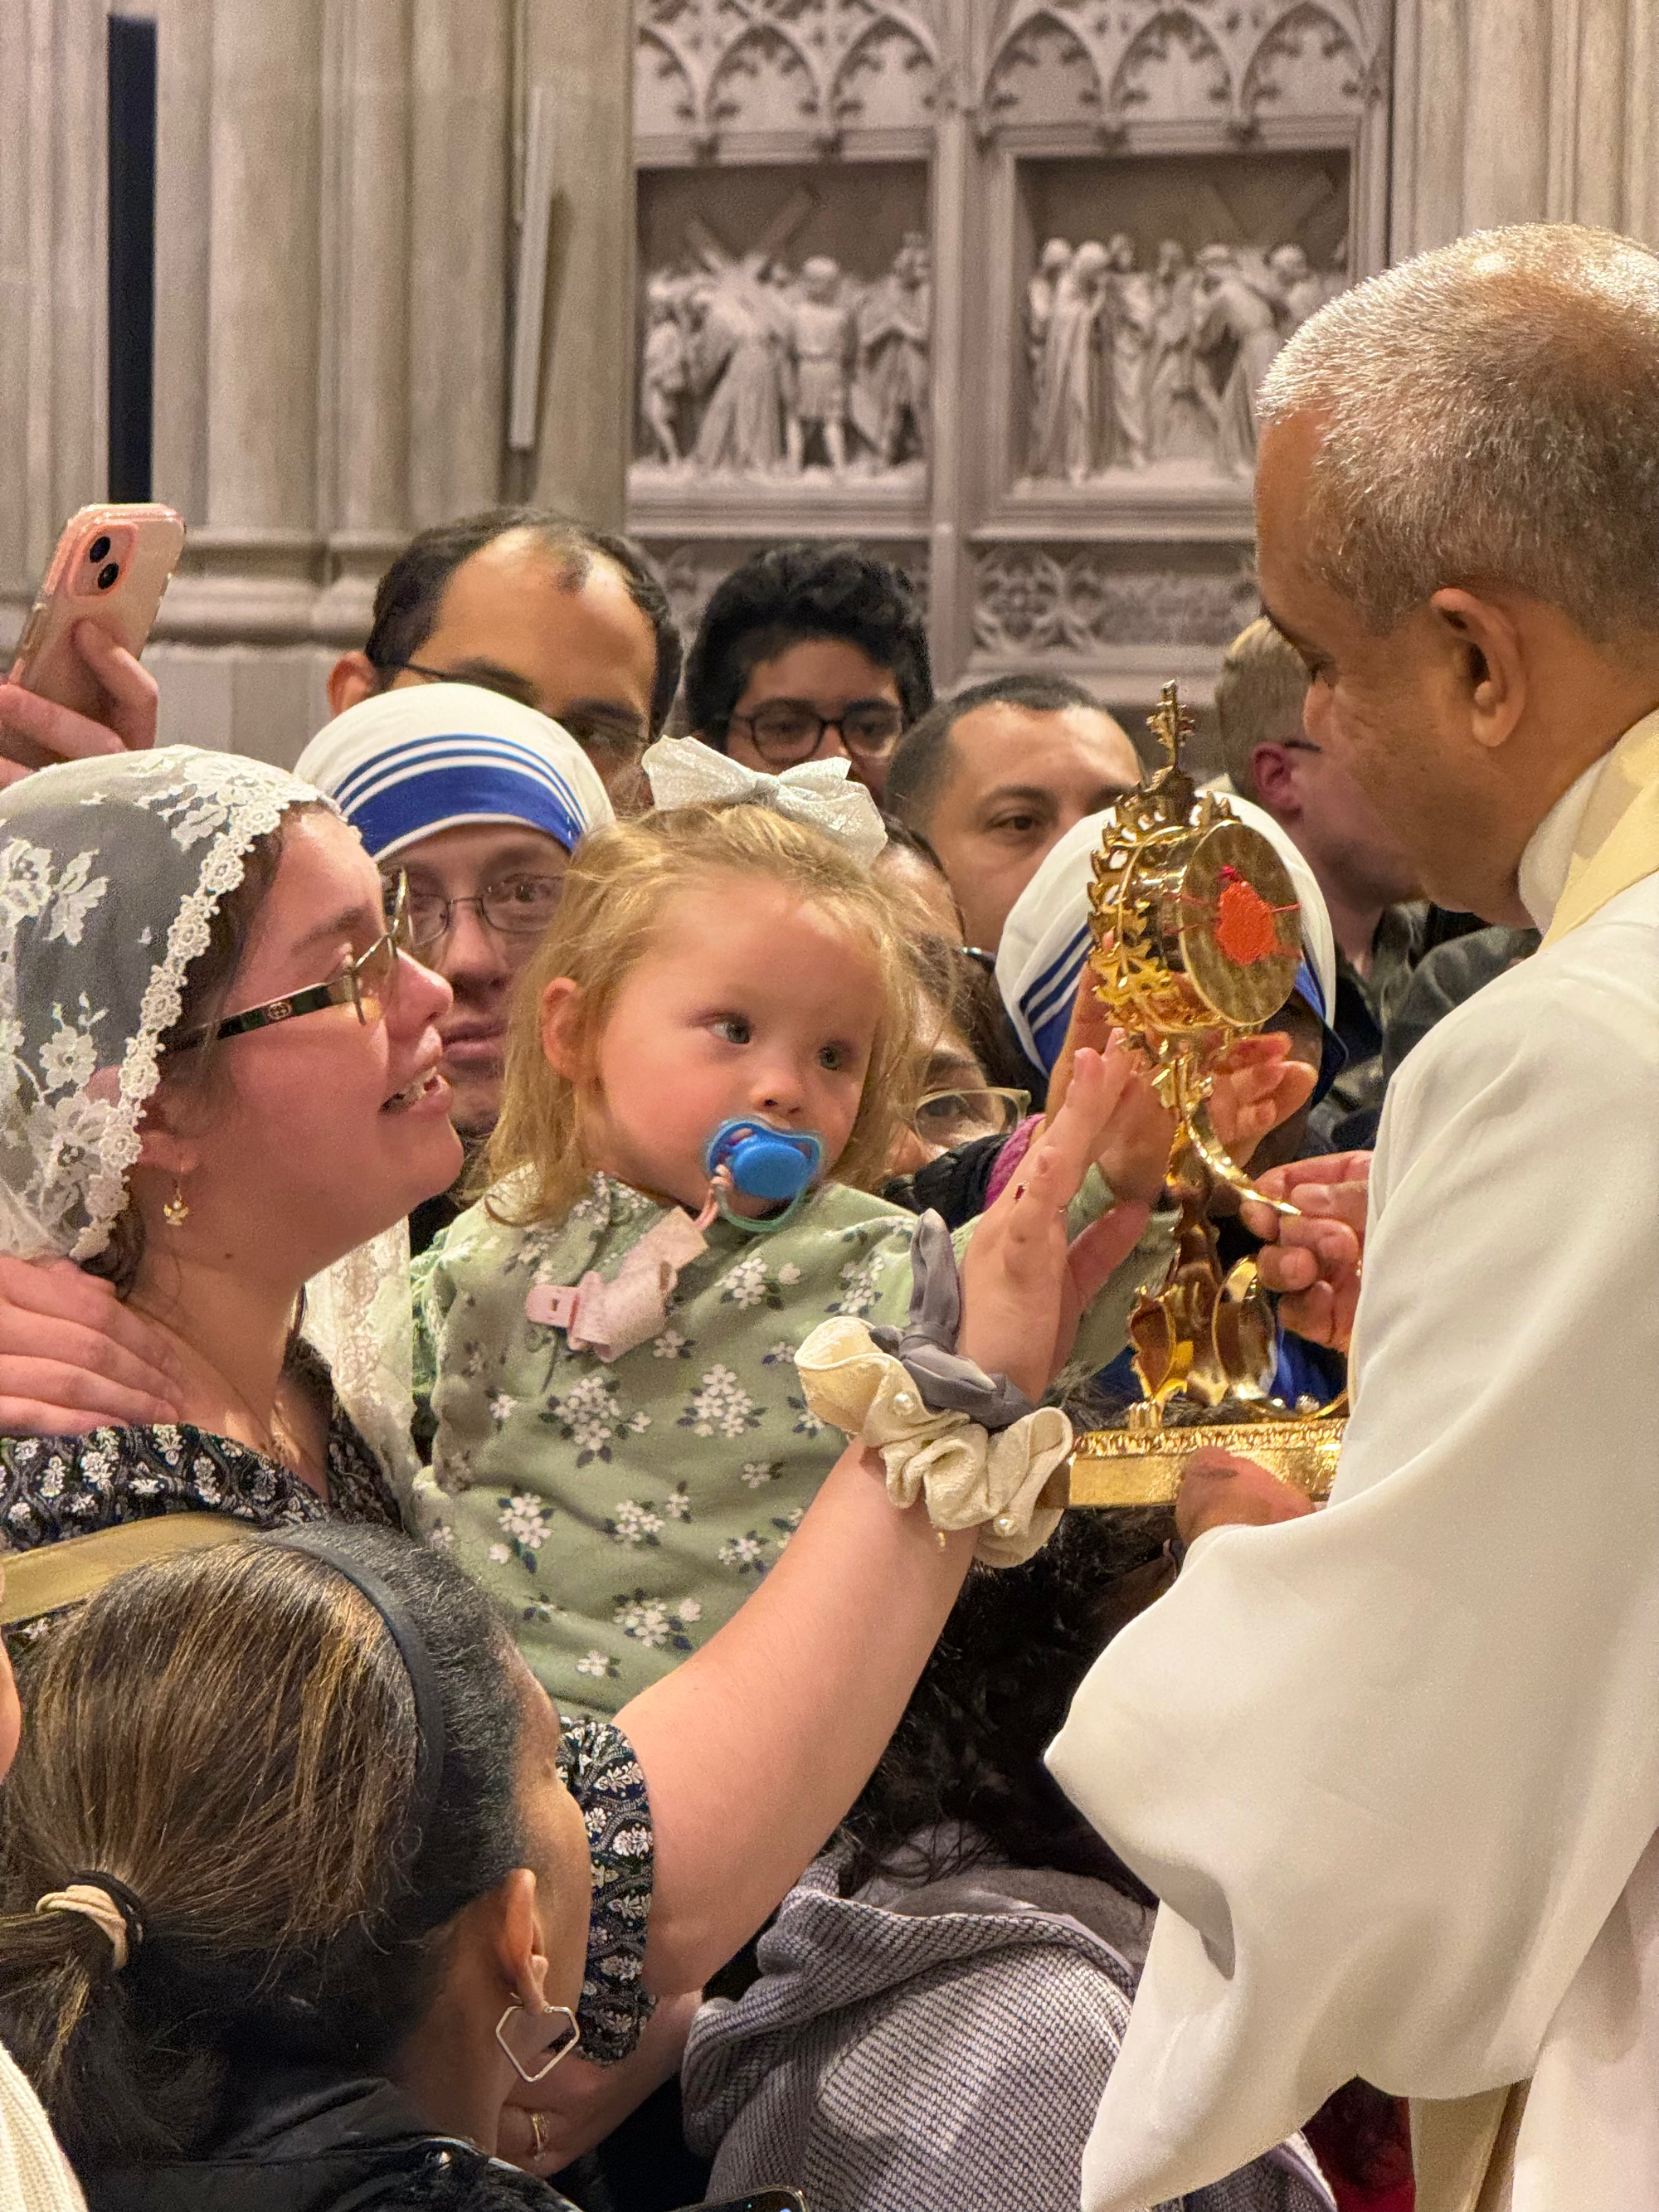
[1394,1767]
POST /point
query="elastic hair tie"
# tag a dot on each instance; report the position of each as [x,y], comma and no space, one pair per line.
[110,1905]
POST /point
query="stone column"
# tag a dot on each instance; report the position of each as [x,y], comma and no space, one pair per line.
[459,246]
[365,323]
[184,199]
[1520,110]
[52,282]
[580,55]
[263,278]
[242,672]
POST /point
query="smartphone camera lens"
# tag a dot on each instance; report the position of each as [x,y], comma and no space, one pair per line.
[98,551]
[107,574]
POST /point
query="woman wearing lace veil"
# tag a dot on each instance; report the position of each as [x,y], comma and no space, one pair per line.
[217,1081]
[185,1156]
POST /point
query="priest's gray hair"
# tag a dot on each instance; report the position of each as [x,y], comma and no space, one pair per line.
[1490,417]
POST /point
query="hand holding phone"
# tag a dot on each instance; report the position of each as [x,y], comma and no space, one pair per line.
[75,688]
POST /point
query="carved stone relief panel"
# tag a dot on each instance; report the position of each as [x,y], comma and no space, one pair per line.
[709,70]
[1034,602]
[785,324]
[1156,291]
[1115,65]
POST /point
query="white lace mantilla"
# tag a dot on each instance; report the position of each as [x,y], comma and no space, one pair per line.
[111,872]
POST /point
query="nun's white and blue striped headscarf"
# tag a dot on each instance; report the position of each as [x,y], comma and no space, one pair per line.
[1045,939]
[409,763]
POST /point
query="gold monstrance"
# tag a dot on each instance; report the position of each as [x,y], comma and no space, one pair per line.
[1197,939]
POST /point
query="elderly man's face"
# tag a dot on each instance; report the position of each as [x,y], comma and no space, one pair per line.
[587,657]
[1393,709]
[1016,781]
[519,870]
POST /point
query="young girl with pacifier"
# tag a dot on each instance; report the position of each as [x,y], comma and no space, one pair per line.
[707,1063]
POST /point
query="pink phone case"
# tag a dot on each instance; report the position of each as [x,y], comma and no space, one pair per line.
[112,567]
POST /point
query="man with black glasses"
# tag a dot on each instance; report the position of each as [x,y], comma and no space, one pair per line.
[810,653]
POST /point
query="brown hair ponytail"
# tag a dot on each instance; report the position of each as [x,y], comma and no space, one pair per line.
[232,1736]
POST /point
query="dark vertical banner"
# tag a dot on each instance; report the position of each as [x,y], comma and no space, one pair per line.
[131,253]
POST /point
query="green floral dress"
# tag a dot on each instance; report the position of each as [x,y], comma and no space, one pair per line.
[621,1512]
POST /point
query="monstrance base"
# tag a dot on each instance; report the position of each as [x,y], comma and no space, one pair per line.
[1128,1467]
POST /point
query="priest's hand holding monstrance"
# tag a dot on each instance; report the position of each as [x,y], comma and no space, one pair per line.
[1195,943]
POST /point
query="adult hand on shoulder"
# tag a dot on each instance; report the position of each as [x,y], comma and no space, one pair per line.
[28,724]
[1024,1283]
[74,1358]
[1221,1489]
[1314,1260]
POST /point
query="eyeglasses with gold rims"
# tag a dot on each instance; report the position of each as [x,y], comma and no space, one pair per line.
[366,984]
[950,1118]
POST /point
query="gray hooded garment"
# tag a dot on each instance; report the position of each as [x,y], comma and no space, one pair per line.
[939,2047]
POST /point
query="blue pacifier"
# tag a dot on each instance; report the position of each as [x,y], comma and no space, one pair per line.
[772,1165]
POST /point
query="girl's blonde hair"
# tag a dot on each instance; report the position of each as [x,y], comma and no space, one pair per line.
[619,883]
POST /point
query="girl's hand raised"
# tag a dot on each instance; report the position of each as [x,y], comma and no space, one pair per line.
[1256,1086]
[1024,1281]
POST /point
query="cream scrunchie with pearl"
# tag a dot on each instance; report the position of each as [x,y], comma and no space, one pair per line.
[969,1480]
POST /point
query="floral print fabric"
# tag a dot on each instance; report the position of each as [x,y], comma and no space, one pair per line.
[52,1487]
[621,1513]
[607,1781]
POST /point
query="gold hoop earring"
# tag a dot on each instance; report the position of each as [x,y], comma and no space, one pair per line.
[176,1211]
[572,2041]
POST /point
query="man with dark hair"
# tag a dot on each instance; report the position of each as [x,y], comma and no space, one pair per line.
[810,653]
[555,617]
[996,776]
[563,618]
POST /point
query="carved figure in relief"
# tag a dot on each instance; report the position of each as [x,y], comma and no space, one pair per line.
[1304,292]
[1067,424]
[1052,265]
[1180,429]
[750,366]
[890,390]
[1133,313]
[819,330]
[1238,331]
[736,361]
[665,372]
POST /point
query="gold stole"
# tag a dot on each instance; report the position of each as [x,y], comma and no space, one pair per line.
[1618,840]
[1463,2148]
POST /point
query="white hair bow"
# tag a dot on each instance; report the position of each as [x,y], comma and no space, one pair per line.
[683,771]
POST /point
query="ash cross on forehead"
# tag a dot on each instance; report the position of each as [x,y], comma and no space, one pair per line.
[1170,723]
